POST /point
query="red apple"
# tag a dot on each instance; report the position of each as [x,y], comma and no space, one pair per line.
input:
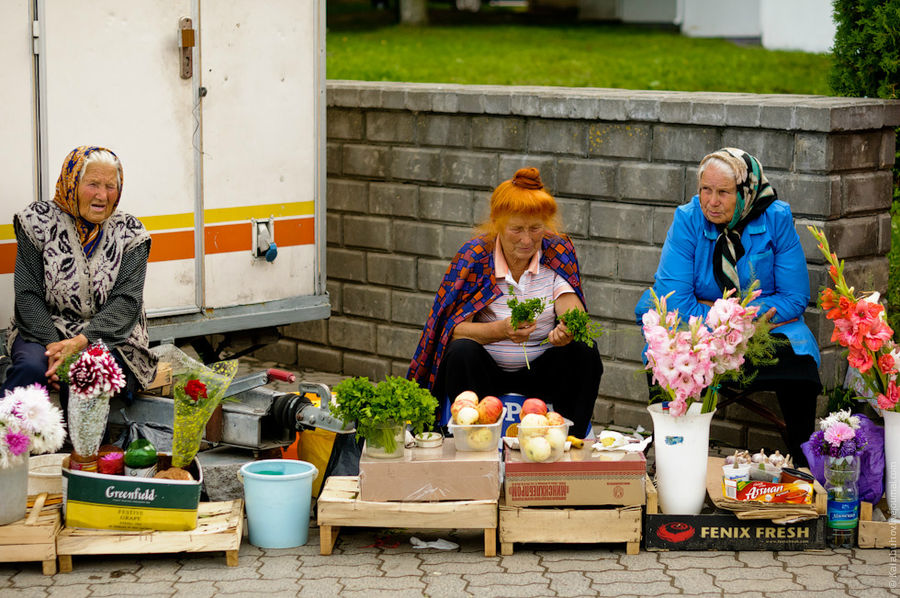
[468,395]
[489,410]
[555,419]
[533,406]
[466,398]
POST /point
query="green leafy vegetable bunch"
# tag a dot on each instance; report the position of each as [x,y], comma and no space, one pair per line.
[581,327]
[395,400]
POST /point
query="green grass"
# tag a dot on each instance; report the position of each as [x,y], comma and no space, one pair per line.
[572,56]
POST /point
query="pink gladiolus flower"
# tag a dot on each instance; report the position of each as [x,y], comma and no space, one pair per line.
[838,433]
[677,408]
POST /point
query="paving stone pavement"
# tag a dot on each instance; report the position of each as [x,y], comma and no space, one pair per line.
[373,563]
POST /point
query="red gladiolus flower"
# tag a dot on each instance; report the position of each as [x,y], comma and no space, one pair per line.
[195,389]
[886,364]
[860,359]
[833,272]
[890,401]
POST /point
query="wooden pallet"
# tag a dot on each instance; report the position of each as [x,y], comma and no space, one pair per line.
[220,526]
[34,537]
[339,505]
[555,525]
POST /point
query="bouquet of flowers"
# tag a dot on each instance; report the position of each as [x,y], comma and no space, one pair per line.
[29,423]
[93,377]
[197,393]
[689,362]
[839,435]
[860,326]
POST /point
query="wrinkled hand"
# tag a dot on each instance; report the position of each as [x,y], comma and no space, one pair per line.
[560,336]
[58,351]
[766,317]
[518,335]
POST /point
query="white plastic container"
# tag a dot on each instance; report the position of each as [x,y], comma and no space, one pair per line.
[45,473]
[543,444]
[477,437]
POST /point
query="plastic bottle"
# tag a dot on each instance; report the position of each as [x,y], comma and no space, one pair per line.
[140,459]
[841,475]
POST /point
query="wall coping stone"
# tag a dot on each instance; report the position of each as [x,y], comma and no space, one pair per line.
[793,112]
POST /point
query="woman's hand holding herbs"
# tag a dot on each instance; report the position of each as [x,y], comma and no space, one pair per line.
[560,336]
[517,334]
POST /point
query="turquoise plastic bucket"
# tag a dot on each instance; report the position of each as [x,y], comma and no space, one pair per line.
[277,495]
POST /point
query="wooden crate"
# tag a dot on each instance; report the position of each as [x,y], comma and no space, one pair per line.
[583,525]
[876,534]
[339,505]
[34,537]
[220,526]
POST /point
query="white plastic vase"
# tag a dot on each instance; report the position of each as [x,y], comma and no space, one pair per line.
[682,452]
[14,490]
[892,462]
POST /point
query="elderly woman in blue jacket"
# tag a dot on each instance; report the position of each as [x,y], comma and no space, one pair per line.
[733,232]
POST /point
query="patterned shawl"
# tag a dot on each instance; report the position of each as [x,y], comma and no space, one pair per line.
[66,196]
[468,286]
[754,196]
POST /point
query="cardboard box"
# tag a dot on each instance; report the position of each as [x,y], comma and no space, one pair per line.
[581,477]
[717,529]
[441,473]
[722,530]
[114,502]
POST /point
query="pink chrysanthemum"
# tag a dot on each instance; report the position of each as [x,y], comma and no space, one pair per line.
[838,433]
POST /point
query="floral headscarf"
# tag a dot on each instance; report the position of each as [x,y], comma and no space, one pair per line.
[754,196]
[66,196]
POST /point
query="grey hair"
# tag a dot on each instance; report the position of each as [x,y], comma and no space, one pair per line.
[729,161]
[103,157]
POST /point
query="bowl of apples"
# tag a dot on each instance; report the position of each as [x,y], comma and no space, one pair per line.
[475,424]
[542,436]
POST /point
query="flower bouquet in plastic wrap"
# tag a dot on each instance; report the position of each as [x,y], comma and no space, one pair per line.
[93,377]
[197,390]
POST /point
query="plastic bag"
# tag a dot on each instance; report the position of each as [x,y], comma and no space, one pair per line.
[158,434]
[871,463]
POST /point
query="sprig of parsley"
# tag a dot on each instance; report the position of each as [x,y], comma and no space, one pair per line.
[524,311]
[581,327]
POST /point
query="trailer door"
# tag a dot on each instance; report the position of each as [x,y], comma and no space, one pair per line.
[18,166]
[110,75]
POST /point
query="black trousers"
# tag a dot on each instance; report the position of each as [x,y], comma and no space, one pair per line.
[568,377]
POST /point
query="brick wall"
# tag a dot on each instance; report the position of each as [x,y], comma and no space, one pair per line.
[411,167]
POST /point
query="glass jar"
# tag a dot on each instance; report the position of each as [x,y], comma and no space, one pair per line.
[386,441]
[841,476]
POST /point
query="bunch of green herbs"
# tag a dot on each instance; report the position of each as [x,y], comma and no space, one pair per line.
[376,408]
[524,312]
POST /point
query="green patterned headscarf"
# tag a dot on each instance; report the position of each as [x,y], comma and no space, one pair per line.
[754,196]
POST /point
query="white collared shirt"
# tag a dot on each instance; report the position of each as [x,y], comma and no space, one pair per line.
[537,281]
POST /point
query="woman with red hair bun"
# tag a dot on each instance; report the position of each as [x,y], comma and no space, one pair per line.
[469,342]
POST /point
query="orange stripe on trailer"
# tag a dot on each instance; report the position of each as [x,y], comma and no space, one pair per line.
[7,258]
[177,245]
[296,231]
[226,238]
[221,238]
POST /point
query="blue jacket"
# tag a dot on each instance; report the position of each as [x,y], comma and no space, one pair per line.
[772,254]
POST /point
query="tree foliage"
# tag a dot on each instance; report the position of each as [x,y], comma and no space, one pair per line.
[867,48]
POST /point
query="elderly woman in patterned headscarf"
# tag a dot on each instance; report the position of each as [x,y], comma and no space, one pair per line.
[79,276]
[733,232]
